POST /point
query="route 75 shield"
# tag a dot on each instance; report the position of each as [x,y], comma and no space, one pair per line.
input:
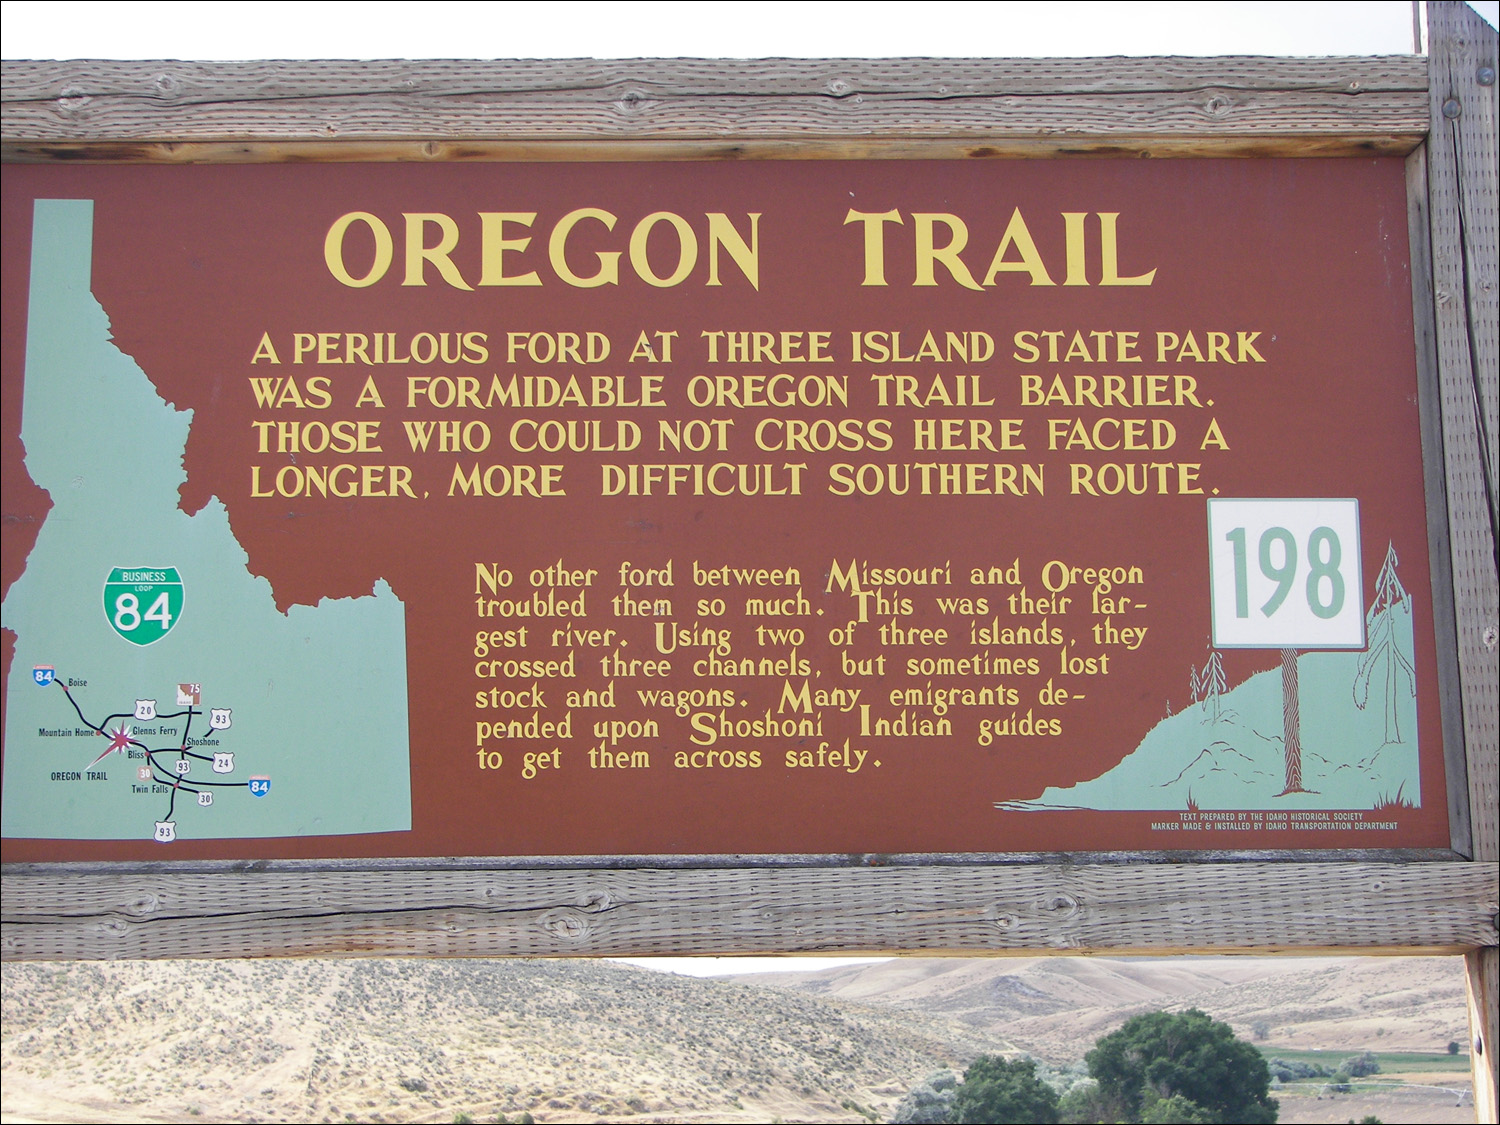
[143,603]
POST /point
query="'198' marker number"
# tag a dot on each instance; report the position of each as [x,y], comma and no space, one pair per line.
[1285,573]
[1324,553]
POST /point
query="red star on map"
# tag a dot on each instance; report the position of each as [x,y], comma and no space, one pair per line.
[119,739]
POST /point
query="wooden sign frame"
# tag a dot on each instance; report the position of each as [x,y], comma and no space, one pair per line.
[1438,112]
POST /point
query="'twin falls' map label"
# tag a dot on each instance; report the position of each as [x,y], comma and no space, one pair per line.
[305,686]
[173,758]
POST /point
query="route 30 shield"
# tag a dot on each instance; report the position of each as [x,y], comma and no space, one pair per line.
[143,603]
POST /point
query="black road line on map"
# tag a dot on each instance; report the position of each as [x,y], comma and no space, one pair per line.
[174,782]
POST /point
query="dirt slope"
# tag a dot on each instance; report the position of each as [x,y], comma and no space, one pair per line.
[1057,1006]
[587,1041]
[422,1041]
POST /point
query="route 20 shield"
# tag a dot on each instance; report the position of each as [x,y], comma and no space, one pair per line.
[143,603]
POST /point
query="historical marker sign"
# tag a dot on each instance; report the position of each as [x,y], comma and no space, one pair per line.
[807,507]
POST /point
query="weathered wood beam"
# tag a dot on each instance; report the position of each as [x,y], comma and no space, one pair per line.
[698,108]
[1463,190]
[1060,908]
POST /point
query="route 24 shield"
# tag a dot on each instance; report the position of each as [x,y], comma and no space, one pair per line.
[143,603]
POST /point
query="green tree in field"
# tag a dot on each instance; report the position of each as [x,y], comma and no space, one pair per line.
[1083,1105]
[996,1089]
[1176,1110]
[929,1102]
[1162,1056]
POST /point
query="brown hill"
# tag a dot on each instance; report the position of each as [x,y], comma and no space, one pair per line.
[423,1041]
[389,1041]
[1056,1007]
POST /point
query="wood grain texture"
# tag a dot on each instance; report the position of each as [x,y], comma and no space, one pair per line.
[1462,193]
[1482,969]
[499,151]
[841,78]
[1439,546]
[1260,907]
[1462,208]
[708,107]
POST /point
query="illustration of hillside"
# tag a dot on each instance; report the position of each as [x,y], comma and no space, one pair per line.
[1226,750]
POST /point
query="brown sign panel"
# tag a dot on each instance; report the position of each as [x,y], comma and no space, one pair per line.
[815,507]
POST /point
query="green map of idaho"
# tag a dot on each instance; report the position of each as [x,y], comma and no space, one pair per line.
[235,720]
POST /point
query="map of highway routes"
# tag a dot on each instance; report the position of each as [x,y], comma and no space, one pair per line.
[181,767]
[143,603]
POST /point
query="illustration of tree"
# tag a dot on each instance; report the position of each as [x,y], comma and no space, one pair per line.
[1211,685]
[1380,627]
[1291,722]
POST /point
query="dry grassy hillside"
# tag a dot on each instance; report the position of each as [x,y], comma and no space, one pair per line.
[423,1041]
[388,1041]
[1314,1009]
[1056,1007]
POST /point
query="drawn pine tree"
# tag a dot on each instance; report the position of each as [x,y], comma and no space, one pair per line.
[1380,626]
[1211,684]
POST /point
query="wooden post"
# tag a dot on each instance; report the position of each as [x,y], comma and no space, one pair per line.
[1462,191]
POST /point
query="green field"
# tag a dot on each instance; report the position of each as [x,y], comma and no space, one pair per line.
[1391,1062]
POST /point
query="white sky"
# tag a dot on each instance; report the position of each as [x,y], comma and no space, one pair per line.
[304,30]
[713,966]
[308,30]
